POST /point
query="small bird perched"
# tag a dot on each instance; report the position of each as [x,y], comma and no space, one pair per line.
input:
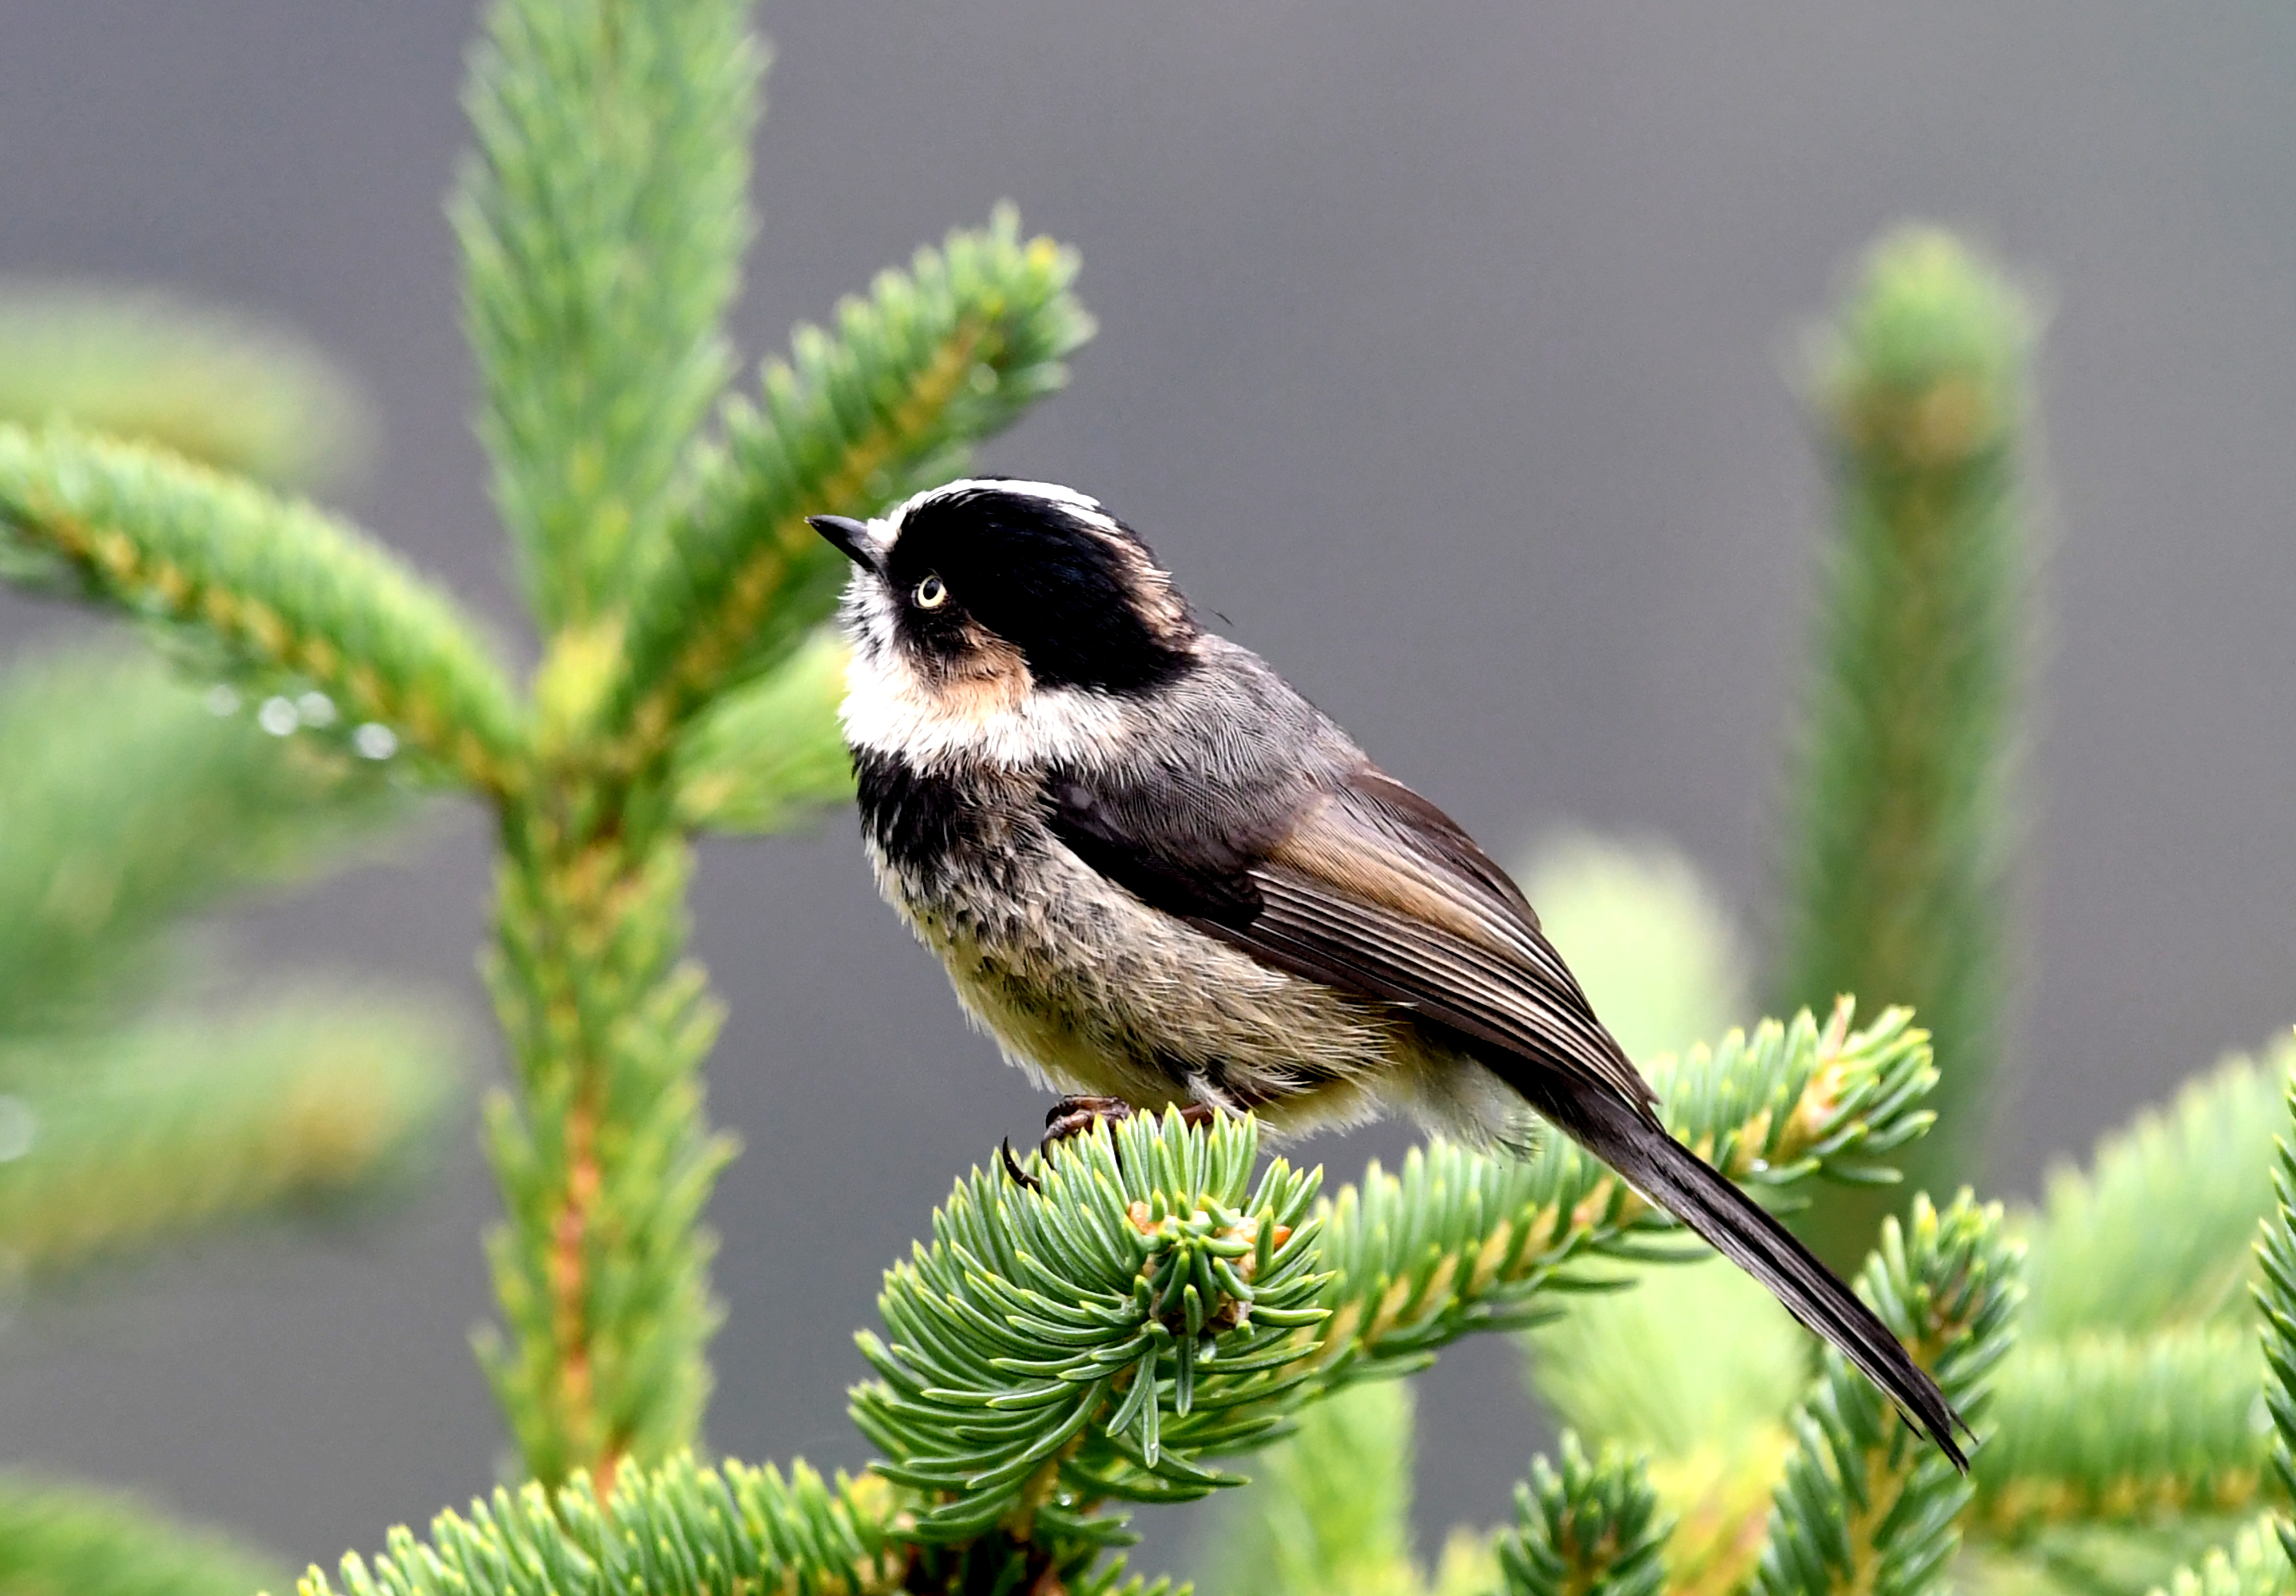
[1158,877]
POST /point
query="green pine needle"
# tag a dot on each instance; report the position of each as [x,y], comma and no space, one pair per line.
[678,1530]
[1591,1528]
[2122,1428]
[284,598]
[936,359]
[769,755]
[1904,818]
[60,1540]
[1329,1510]
[605,1163]
[2275,1299]
[113,1140]
[2254,1565]
[1050,1351]
[130,802]
[602,217]
[1867,1505]
[210,386]
[2105,1253]
[1460,1242]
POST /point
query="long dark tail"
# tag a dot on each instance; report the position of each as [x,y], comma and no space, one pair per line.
[1682,1183]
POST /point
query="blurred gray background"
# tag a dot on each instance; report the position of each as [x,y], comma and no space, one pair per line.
[1443,354]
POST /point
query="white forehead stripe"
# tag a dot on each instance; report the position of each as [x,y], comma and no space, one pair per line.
[889,709]
[1082,505]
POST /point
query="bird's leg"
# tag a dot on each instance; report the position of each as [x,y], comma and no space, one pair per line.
[1074,1116]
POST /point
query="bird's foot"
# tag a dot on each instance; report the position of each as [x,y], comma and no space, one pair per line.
[1074,1116]
[1013,1170]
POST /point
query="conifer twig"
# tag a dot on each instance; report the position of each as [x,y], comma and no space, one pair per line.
[2161,1229]
[602,217]
[279,593]
[2253,1565]
[1460,1242]
[129,802]
[56,1537]
[1903,813]
[179,1122]
[2275,1299]
[213,387]
[2120,1427]
[1592,1527]
[935,359]
[767,756]
[1867,1507]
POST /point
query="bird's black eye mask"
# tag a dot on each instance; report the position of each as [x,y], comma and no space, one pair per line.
[1031,573]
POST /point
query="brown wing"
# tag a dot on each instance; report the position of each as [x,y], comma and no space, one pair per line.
[1362,884]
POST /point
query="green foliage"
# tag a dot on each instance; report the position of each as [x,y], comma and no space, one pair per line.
[1590,1528]
[2253,1565]
[602,217]
[1154,1305]
[59,1539]
[1693,1356]
[1460,1243]
[1647,936]
[604,1161]
[2275,1298]
[283,597]
[768,756]
[678,1530]
[117,1138]
[2205,1157]
[1904,818]
[129,803]
[142,363]
[1095,1339]
[2113,1427]
[1867,1505]
[1329,1513]
[934,360]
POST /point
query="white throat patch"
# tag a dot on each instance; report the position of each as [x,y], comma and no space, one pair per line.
[890,709]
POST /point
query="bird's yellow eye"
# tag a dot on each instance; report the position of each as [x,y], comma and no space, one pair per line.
[932,594]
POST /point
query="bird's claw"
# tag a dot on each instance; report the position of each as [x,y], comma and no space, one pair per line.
[1018,1177]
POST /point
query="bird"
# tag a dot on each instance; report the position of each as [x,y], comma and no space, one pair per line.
[1159,878]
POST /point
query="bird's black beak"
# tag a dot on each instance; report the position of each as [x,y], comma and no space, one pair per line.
[848,537]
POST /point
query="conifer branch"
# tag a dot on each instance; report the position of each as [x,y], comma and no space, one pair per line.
[934,360]
[681,1529]
[207,385]
[59,1538]
[1592,1528]
[768,756]
[2162,1228]
[2275,1300]
[1903,817]
[2253,1565]
[1329,1510]
[129,802]
[604,1161]
[602,217]
[2115,1428]
[678,1530]
[278,593]
[1052,1350]
[1460,1243]
[114,1140]
[1867,1505]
